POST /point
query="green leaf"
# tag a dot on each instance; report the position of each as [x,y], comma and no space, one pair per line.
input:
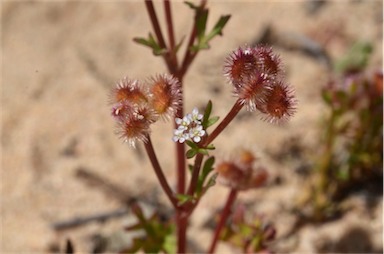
[218,28]
[133,227]
[203,39]
[211,181]
[191,153]
[207,114]
[210,147]
[190,168]
[177,47]
[191,5]
[151,43]
[327,97]
[207,168]
[356,58]
[191,144]
[183,198]
[203,151]
[170,243]
[201,23]
[212,121]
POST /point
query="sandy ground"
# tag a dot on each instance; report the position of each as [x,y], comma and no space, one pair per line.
[59,62]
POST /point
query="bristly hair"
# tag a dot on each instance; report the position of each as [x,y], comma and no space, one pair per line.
[130,90]
[280,103]
[166,96]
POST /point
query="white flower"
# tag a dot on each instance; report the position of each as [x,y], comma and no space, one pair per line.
[183,123]
[195,116]
[180,136]
[189,128]
[196,133]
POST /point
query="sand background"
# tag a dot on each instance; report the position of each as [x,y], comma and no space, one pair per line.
[59,61]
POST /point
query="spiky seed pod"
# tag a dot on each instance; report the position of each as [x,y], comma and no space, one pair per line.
[135,124]
[253,90]
[280,103]
[268,62]
[240,64]
[245,157]
[240,173]
[258,178]
[121,109]
[166,97]
[130,90]
[230,174]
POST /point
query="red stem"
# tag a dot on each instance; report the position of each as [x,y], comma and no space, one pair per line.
[199,157]
[159,172]
[159,34]
[224,123]
[189,55]
[224,216]
[155,22]
[182,224]
[171,36]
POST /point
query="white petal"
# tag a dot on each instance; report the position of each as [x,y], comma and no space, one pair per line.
[197,139]
[178,120]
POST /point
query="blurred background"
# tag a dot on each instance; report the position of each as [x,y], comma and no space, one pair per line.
[65,174]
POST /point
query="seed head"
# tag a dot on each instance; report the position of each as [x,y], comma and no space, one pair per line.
[130,90]
[166,96]
[280,103]
[252,72]
[240,172]
[121,110]
[134,125]
[253,90]
[268,62]
[240,64]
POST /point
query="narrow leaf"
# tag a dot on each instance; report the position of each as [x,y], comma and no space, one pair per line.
[203,151]
[191,5]
[201,23]
[182,198]
[212,121]
[218,28]
[151,43]
[191,153]
[207,168]
[191,144]
[210,147]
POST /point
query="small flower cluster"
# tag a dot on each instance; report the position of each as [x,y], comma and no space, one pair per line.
[189,128]
[240,172]
[137,105]
[256,75]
